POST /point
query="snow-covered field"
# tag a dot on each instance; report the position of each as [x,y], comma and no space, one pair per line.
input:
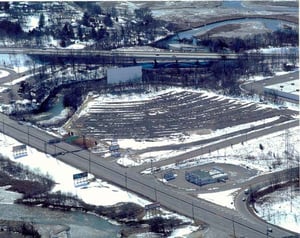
[282,208]
[3,73]
[224,198]
[17,62]
[98,192]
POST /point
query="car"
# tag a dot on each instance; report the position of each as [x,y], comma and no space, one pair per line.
[243,199]
[21,123]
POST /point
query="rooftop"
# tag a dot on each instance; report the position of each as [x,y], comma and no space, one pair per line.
[291,87]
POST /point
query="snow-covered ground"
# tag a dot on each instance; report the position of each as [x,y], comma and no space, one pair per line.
[18,62]
[224,198]
[97,192]
[249,154]
[282,208]
[3,73]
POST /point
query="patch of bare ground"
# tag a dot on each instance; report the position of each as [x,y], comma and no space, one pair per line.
[241,30]
[185,24]
[17,229]
[21,179]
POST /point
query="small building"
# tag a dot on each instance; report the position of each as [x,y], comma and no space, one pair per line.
[201,177]
[124,74]
[169,175]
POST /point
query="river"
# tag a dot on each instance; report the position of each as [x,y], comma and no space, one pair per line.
[81,224]
[271,24]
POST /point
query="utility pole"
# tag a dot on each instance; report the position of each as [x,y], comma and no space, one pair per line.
[233,227]
[3,125]
[193,212]
[89,162]
[151,161]
[28,135]
[126,178]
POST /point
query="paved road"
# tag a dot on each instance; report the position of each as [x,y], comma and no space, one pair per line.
[258,182]
[257,87]
[218,217]
[118,53]
[12,75]
[216,145]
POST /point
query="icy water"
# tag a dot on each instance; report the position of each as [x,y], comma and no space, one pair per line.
[81,224]
[54,109]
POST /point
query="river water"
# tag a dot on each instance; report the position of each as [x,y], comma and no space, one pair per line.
[271,24]
[47,220]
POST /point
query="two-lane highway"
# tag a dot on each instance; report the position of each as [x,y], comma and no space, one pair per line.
[216,216]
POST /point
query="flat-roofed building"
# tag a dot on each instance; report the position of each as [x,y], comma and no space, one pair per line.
[201,177]
[288,90]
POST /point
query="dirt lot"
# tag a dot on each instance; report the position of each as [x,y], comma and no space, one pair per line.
[164,114]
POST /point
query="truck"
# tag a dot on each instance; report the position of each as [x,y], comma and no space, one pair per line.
[54,141]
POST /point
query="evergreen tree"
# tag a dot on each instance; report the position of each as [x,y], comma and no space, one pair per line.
[80,33]
[86,19]
[108,21]
[42,21]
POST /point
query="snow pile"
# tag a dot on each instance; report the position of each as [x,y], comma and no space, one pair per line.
[76,46]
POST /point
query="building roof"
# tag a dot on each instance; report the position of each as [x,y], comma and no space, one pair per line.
[200,173]
[291,87]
